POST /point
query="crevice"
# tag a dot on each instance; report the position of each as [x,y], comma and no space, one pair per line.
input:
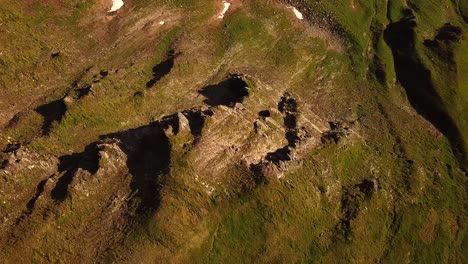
[394,227]
[377,66]
[407,169]
[288,107]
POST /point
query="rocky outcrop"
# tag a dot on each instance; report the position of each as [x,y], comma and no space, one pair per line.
[275,164]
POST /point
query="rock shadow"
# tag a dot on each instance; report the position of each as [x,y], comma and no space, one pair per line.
[415,77]
[32,202]
[228,92]
[162,69]
[69,164]
[51,112]
[148,151]
[289,109]
[351,202]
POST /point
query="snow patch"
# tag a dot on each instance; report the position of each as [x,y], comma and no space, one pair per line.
[116,5]
[297,13]
[225,9]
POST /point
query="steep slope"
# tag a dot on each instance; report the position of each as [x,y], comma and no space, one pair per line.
[195,131]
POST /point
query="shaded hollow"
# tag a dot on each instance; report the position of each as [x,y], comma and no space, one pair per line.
[228,92]
[162,69]
[415,77]
[51,112]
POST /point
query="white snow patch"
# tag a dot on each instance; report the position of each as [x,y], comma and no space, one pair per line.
[298,14]
[116,5]
[225,9]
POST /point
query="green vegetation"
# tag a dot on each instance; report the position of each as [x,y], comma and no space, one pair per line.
[389,188]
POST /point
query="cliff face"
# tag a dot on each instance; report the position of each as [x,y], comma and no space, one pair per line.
[167,132]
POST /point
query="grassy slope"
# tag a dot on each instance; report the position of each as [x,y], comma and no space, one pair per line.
[414,214]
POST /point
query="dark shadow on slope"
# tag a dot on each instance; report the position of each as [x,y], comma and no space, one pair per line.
[162,69]
[4,164]
[151,160]
[148,158]
[196,119]
[416,79]
[288,107]
[39,190]
[84,91]
[87,160]
[449,33]
[280,155]
[32,202]
[51,112]
[443,43]
[264,114]
[11,147]
[170,122]
[351,203]
[337,131]
[228,92]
